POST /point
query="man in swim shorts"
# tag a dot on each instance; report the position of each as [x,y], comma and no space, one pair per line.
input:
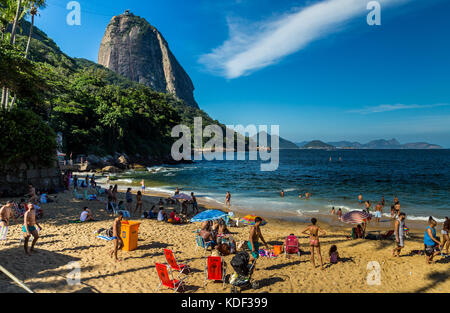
[255,234]
[29,228]
[5,214]
[399,228]
[117,239]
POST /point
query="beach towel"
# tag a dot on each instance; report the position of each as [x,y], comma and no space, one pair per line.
[105,237]
[267,253]
[75,221]
[3,234]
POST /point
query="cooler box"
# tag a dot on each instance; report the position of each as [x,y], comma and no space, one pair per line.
[130,235]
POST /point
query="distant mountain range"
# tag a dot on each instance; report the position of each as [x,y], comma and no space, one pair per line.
[283,143]
[374,144]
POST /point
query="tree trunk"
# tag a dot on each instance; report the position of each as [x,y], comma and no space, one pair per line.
[3,98]
[29,36]
[16,21]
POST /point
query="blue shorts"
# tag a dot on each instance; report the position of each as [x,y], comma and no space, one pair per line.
[378,214]
[30,229]
[255,254]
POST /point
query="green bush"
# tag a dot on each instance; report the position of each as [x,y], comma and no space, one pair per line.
[25,139]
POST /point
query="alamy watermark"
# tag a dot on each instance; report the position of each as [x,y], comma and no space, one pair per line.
[74,16]
[374,16]
[233,149]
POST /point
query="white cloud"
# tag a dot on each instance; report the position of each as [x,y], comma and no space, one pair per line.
[394,107]
[252,47]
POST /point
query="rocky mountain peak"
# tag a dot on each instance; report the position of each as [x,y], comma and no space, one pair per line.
[135,49]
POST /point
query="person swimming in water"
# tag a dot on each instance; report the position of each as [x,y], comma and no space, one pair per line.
[314,231]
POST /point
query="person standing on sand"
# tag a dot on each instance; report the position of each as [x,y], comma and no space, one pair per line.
[5,214]
[339,213]
[378,212]
[177,191]
[108,179]
[129,199]
[32,194]
[194,204]
[399,228]
[313,231]
[445,238]
[114,194]
[143,186]
[138,202]
[29,228]
[255,235]
[382,201]
[228,199]
[117,239]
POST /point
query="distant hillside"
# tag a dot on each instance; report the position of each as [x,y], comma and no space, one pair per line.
[283,143]
[384,144]
[317,144]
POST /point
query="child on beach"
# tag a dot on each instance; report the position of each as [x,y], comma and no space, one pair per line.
[334,255]
[117,240]
[313,231]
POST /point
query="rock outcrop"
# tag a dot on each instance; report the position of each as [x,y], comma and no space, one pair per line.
[135,49]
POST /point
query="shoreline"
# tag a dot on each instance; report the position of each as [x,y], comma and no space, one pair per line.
[386,223]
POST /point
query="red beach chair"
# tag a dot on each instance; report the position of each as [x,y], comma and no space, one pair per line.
[291,245]
[215,269]
[181,268]
[164,278]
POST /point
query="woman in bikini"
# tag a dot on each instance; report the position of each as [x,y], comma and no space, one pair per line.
[138,202]
[313,231]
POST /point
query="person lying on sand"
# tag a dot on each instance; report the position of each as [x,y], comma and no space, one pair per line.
[117,240]
[29,228]
[313,231]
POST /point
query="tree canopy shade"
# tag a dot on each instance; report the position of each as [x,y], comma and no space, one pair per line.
[26,139]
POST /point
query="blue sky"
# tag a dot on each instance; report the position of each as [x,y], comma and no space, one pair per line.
[316,68]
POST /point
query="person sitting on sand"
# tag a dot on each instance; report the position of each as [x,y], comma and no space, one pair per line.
[314,231]
[206,233]
[184,207]
[117,239]
[399,228]
[445,237]
[162,215]
[29,228]
[255,235]
[432,244]
[174,218]
[86,215]
[334,255]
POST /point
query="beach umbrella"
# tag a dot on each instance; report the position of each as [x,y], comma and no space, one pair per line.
[182,196]
[209,215]
[250,220]
[355,217]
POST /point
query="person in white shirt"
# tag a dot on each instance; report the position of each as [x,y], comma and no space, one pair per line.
[86,215]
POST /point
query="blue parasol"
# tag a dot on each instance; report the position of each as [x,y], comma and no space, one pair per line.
[209,215]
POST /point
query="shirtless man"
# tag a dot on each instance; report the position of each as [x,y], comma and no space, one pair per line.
[5,214]
[360,198]
[378,212]
[29,228]
[307,195]
[255,234]
[117,239]
[32,194]
[228,199]
[313,231]
[367,206]
[282,193]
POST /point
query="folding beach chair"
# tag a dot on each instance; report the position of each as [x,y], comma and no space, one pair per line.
[291,245]
[200,242]
[3,234]
[215,269]
[164,278]
[181,268]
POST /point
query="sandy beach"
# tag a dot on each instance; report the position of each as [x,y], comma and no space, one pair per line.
[62,242]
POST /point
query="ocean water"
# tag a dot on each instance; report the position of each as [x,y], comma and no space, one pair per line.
[419,178]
